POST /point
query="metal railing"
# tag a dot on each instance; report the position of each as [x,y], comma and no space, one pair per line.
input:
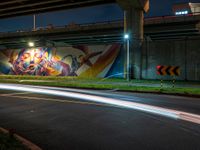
[113,23]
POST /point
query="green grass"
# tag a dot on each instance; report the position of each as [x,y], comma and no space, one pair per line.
[114,83]
[10,143]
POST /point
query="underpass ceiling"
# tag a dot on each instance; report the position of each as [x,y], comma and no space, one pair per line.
[12,8]
[155,29]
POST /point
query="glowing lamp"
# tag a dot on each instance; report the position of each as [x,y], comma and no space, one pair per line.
[31,44]
[126,36]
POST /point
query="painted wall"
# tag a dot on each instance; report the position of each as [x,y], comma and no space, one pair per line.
[83,61]
[103,61]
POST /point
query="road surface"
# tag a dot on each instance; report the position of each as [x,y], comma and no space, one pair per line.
[56,122]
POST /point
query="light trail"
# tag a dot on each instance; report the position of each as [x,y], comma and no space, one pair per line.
[111,101]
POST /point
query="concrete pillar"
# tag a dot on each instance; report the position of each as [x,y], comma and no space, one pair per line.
[135,29]
[134,26]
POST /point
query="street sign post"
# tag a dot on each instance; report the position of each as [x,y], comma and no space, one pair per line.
[164,70]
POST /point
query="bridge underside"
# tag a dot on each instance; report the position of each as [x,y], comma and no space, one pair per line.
[12,8]
[103,33]
[80,34]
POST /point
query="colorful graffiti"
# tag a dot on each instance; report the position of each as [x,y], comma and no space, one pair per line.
[85,61]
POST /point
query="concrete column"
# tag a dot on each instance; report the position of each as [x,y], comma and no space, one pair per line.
[135,29]
[135,10]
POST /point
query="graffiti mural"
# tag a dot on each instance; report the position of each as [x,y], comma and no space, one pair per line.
[84,61]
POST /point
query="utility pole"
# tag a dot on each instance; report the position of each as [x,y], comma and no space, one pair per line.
[34,22]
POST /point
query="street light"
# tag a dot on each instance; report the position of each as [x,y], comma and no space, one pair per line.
[31,44]
[126,37]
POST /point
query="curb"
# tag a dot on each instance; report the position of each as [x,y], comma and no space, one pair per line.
[24,141]
[131,91]
[162,93]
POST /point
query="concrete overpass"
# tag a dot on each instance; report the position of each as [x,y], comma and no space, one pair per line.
[12,8]
[159,28]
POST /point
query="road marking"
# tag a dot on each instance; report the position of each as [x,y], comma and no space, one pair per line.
[11,94]
[57,100]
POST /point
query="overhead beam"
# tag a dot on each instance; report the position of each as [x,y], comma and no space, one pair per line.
[27,7]
[11,2]
[136,4]
[12,8]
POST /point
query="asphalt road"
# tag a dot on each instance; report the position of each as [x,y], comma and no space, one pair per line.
[63,123]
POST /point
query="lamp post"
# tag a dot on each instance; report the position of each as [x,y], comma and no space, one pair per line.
[126,37]
[127,42]
[34,22]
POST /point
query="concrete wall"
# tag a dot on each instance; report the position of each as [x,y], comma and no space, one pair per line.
[108,60]
[184,53]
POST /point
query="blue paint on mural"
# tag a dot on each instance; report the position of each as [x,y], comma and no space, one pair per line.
[117,69]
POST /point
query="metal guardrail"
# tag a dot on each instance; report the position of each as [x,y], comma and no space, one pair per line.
[166,19]
[71,27]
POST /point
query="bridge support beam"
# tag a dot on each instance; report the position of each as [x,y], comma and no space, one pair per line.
[134,27]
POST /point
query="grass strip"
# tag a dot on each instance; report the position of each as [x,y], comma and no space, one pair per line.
[8,142]
[119,84]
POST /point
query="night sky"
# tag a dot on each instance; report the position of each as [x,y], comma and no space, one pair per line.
[85,15]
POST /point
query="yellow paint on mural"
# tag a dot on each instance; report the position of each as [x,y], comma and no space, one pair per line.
[103,61]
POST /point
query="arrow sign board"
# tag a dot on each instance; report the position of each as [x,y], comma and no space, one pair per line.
[168,70]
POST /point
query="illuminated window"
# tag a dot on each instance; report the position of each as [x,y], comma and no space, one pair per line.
[181,12]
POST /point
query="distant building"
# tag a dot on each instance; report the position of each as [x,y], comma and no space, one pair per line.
[186,8]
